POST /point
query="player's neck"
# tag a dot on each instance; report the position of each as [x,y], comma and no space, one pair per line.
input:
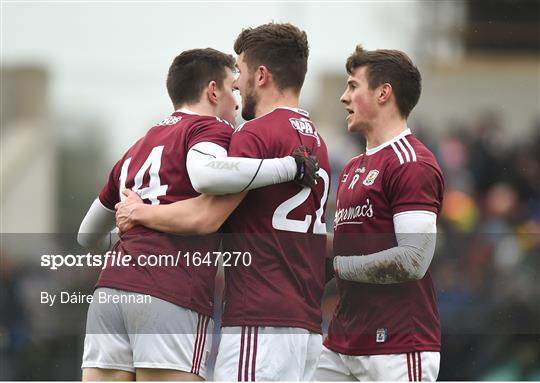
[200,108]
[380,133]
[274,99]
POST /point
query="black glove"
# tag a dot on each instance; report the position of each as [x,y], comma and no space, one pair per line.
[329,269]
[307,167]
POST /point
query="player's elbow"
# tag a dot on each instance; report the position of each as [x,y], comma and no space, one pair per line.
[203,182]
[84,240]
[203,228]
[418,262]
[212,226]
[419,268]
[206,185]
[417,274]
[205,188]
[200,185]
[205,224]
[90,241]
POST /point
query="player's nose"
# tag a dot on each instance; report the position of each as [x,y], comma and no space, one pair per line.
[344,97]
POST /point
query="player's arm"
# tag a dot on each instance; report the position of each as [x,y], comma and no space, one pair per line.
[211,171]
[205,214]
[96,230]
[196,216]
[408,261]
[96,226]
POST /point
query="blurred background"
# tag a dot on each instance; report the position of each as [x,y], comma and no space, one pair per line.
[81,81]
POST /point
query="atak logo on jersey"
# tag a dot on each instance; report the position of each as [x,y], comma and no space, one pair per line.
[305,127]
[370,178]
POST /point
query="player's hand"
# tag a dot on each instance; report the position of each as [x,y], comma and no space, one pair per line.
[307,167]
[126,211]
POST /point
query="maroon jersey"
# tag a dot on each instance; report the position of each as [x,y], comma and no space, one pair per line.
[155,167]
[283,228]
[398,176]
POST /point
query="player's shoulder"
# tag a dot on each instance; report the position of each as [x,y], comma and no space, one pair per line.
[254,125]
[189,123]
[298,118]
[182,119]
[408,152]
[353,162]
[240,127]
[280,125]
[251,127]
[210,121]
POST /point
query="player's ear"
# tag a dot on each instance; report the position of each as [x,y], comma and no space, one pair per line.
[263,75]
[384,92]
[211,92]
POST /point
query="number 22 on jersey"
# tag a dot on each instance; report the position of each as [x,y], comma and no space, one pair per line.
[281,222]
[152,165]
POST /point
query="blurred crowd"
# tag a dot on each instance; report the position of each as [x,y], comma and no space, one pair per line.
[486,268]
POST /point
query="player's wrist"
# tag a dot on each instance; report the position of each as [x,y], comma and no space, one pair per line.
[139,214]
[307,167]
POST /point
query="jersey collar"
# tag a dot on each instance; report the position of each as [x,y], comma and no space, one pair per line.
[296,110]
[186,111]
[374,150]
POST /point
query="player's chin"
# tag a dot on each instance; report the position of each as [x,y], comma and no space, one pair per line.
[351,126]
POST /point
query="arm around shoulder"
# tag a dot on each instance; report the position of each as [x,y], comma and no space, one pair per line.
[202,215]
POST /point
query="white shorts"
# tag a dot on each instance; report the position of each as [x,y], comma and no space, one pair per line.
[157,334]
[250,353]
[411,366]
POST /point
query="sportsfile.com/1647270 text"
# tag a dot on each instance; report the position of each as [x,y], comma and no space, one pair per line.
[118,259]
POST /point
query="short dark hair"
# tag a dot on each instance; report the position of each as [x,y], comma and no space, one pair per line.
[393,67]
[282,48]
[192,70]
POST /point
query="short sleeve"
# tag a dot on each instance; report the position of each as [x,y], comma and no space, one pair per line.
[415,186]
[246,144]
[110,194]
[215,131]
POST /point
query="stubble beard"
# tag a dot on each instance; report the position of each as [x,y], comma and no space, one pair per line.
[249,104]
